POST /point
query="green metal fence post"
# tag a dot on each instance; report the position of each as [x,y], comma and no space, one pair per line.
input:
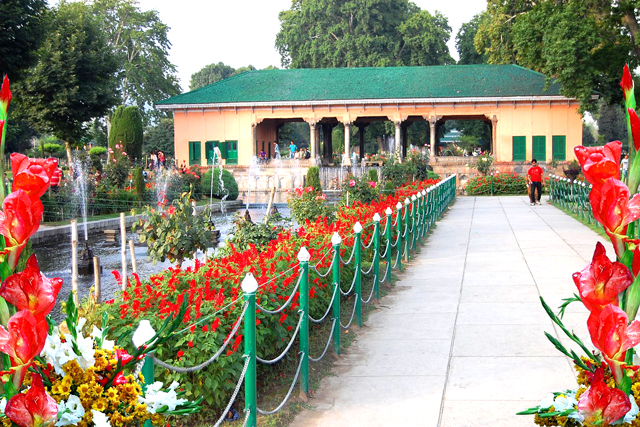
[249,287]
[376,255]
[304,257]
[414,228]
[387,232]
[335,315]
[406,229]
[357,229]
[420,215]
[399,237]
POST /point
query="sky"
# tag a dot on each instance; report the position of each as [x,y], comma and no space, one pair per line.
[243,32]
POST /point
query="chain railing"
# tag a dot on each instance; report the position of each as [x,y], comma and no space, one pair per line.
[414,220]
[572,195]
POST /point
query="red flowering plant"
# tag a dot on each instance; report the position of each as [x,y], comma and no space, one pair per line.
[212,291]
[610,290]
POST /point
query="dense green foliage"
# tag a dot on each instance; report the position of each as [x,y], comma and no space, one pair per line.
[229,189]
[21,31]
[484,164]
[246,234]
[138,181]
[465,44]
[581,44]
[215,72]
[361,190]
[96,151]
[306,204]
[159,136]
[313,179]
[175,233]
[73,81]
[360,33]
[373,175]
[126,130]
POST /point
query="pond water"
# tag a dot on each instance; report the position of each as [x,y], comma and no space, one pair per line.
[55,260]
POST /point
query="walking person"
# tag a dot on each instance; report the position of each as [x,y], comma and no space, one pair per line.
[625,167]
[276,150]
[534,177]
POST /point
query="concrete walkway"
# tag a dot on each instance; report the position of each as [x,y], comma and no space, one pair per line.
[460,342]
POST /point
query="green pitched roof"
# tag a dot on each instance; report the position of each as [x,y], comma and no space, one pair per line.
[324,84]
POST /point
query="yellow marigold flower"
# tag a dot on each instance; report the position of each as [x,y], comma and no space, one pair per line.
[140,377]
[157,420]
[100,404]
[83,389]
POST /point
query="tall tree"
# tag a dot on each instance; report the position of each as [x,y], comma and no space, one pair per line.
[360,33]
[74,79]
[22,26]
[212,73]
[424,40]
[159,137]
[612,124]
[581,44]
[139,41]
[465,44]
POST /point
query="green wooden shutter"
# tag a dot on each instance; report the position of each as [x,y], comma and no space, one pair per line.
[223,150]
[519,148]
[539,148]
[208,149]
[195,154]
[559,147]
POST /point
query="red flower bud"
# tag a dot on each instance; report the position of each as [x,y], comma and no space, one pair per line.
[5,98]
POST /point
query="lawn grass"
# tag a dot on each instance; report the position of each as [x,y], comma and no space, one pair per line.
[595,226]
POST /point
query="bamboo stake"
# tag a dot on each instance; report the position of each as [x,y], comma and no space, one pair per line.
[271,197]
[74,260]
[133,257]
[96,280]
[123,250]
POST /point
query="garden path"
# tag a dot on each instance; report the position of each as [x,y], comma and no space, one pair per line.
[460,340]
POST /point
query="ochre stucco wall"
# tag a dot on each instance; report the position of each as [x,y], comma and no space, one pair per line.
[513,119]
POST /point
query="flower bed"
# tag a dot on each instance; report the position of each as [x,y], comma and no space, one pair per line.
[213,293]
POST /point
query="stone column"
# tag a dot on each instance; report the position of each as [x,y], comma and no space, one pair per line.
[361,128]
[318,154]
[494,133]
[254,144]
[313,138]
[347,144]
[398,141]
[432,136]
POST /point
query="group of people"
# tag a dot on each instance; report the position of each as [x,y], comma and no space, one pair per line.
[294,152]
[157,159]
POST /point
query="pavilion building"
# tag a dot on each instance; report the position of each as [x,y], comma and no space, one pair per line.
[241,115]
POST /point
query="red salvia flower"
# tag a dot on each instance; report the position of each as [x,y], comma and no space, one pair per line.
[600,163]
[613,209]
[23,340]
[601,404]
[19,220]
[35,408]
[31,290]
[600,282]
[612,334]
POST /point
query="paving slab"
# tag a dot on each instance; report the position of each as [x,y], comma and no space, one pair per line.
[459,341]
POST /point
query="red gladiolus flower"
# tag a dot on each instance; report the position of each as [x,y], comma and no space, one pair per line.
[601,404]
[32,175]
[35,408]
[613,337]
[635,127]
[19,220]
[600,163]
[613,209]
[31,290]
[23,340]
[5,98]
[627,87]
[123,356]
[600,282]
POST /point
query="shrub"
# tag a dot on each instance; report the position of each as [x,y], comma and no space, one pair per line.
[127,130]
[398,173]
[359,190]
[230,185]
[503,183]
[51,148]
[245,233]
[306,204]
[175,233]
[138,180]
[313,179]
[573,170]
[419,163]
[373,175]
[484,164]
[95,151]
[117,169]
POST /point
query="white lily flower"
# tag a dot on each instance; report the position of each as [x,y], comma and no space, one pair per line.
[100,419]
[70,413]
[547,401]
[155,398]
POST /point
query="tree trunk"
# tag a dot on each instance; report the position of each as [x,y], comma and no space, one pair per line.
[67,146]
[631,23]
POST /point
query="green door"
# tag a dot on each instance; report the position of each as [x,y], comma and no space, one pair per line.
[559,147]
[208,148]
[194,152]
[232,152]
[519,148]
[539,148]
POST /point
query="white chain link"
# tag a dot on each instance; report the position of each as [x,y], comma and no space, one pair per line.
[286,398]
[293,293]
[335,289]
[286,350]
[352,314]
[333,325]
[235,394]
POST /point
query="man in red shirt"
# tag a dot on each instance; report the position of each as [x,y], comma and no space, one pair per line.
[534,175]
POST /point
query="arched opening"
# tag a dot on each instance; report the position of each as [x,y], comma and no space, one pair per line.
[463,135]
